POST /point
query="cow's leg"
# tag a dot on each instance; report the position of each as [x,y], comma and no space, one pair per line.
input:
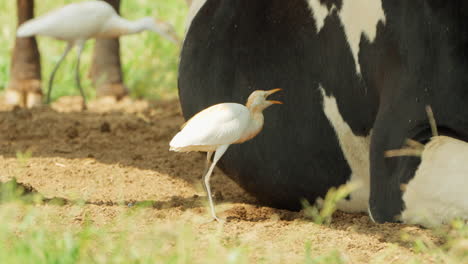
[106,70]
[394,124]
[24,88]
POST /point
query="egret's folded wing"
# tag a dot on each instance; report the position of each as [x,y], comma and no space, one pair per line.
[217,125]
[73,21]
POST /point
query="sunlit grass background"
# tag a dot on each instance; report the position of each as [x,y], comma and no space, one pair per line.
[149,62]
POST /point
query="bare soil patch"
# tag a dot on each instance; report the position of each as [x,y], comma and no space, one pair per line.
[116,155]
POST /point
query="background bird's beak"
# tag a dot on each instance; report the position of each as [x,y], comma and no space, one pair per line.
[175,39]
[167,31]
[270,92]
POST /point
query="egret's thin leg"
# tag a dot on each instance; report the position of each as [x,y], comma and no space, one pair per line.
[52,75]
[207,167]
[77,75]
[206,178]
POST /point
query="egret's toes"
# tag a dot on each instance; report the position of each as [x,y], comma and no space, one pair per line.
[219,220]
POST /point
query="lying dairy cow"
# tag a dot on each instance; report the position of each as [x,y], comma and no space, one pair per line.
[357,75]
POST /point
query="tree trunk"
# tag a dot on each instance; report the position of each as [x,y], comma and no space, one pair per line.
[24,88]
[106,69]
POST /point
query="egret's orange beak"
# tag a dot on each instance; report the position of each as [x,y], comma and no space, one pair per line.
[270,92]
[275,102]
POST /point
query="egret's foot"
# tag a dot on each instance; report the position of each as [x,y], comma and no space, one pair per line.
[215,219]
[212,220]
[219,220]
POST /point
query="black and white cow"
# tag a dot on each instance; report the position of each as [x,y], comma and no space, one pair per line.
[357,75]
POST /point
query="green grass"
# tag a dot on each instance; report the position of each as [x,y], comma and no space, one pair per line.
[27,240]
[149,62]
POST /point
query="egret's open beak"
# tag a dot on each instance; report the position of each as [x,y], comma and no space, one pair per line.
[275,102]
[270,92]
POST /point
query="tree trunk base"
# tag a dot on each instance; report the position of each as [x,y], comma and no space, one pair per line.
[24,93]
[106,70]
[116,90]
[24,88]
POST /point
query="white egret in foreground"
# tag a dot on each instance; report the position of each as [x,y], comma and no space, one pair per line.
[75,23]
[217,127]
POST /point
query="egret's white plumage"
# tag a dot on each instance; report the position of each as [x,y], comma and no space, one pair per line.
[212,127]
[217,127]
[77,22]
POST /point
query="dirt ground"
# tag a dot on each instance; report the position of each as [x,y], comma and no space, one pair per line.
[118,152]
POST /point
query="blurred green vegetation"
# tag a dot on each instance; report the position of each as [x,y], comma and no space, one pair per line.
[149,62]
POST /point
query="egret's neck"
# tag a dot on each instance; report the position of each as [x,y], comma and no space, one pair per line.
[119,26]
[254,127]
[139,25]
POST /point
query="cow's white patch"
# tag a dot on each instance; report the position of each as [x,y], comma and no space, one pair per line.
[356,151]
[320,12]
[357,17]
[438,192]
[193,10]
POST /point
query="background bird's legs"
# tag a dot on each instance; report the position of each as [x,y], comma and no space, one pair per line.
[77,74]
[206,177]
[52,75]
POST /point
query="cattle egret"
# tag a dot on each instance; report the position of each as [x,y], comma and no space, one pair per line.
[217,127]
[78,22]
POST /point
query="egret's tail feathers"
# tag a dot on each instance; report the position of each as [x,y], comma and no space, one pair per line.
[176,144]
[180,144]
[28,29]
[174,149]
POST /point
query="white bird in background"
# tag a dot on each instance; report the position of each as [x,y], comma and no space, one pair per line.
[78,22]
[217,127]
